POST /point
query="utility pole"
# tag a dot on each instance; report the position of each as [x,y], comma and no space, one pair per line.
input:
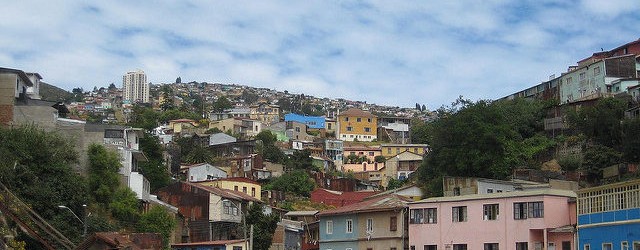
[251,239]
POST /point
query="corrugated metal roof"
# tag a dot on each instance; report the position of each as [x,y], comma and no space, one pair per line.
[382,203]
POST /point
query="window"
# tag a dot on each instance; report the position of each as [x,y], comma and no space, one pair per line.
[244,190]
[636,245]
[499,191]
[329,227]
[596,70]
[346,119]
[393,223]
[358,119]
[431,214]
[349,226]
[253,192]
[490,212]
[367,130]
[329,126]
[587,247]
[607,246]
[569,80]
[235,188]
[489,190]
[368,119]
[226,207]
[369,225]
[522,246]
[582,76]
[297,129]
[490,246]
[388,150]
[423,215]
[566,245]
[519,210]
[456,191]
[430,247]
[536,209]
[459,246]
[349,128]
[371,153]
[459,214]
[237,247]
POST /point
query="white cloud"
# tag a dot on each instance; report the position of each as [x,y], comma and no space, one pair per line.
[394,53]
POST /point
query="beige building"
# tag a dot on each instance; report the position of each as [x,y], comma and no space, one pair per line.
[135,87]
[401,166]
[266,113]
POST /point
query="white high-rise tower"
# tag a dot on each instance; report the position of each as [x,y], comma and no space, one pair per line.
[135,87]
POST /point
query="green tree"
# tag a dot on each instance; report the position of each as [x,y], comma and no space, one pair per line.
[35,165]
[602,122]
[300,160]
[199,154]
[124,205]
[158,220]
[380,159]
[104,179]
[631,140]
[483,139]
[221,104]
[154,169]
[394,183]
[596,158]
[144,117]
[297,182]
[264,226]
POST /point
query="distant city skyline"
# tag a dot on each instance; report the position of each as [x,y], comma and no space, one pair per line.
[394,53]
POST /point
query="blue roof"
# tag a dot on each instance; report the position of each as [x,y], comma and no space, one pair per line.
[316,122]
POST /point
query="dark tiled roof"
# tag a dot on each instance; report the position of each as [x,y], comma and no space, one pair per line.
[382,203]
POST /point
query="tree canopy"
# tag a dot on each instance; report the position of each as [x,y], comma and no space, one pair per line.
[483,139]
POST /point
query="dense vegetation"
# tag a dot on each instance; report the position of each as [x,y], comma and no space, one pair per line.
[36,166]
[491,138]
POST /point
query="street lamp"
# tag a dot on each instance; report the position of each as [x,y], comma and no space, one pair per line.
[244,219]
[84,223]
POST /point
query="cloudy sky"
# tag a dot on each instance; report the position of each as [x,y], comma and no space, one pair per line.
[395,53]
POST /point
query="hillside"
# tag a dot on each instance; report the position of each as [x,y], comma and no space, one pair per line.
[52,93]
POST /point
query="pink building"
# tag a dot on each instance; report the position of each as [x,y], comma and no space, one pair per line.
[520,220]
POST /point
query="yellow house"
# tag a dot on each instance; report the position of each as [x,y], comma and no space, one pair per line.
[240,184]
[389,150]
[355,124]
[182,124]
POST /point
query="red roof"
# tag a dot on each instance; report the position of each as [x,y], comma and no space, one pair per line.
[382,203]
[337,198]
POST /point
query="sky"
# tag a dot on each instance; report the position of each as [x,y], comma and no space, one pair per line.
[394,53]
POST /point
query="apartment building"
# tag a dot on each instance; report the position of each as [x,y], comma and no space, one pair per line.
[135,87]
[537,219]
[389,150]
[357,125]
[609,216]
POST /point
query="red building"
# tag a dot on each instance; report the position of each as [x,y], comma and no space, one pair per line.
[339,199]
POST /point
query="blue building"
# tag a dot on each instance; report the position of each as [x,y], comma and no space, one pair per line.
[609,217]
[313,122]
